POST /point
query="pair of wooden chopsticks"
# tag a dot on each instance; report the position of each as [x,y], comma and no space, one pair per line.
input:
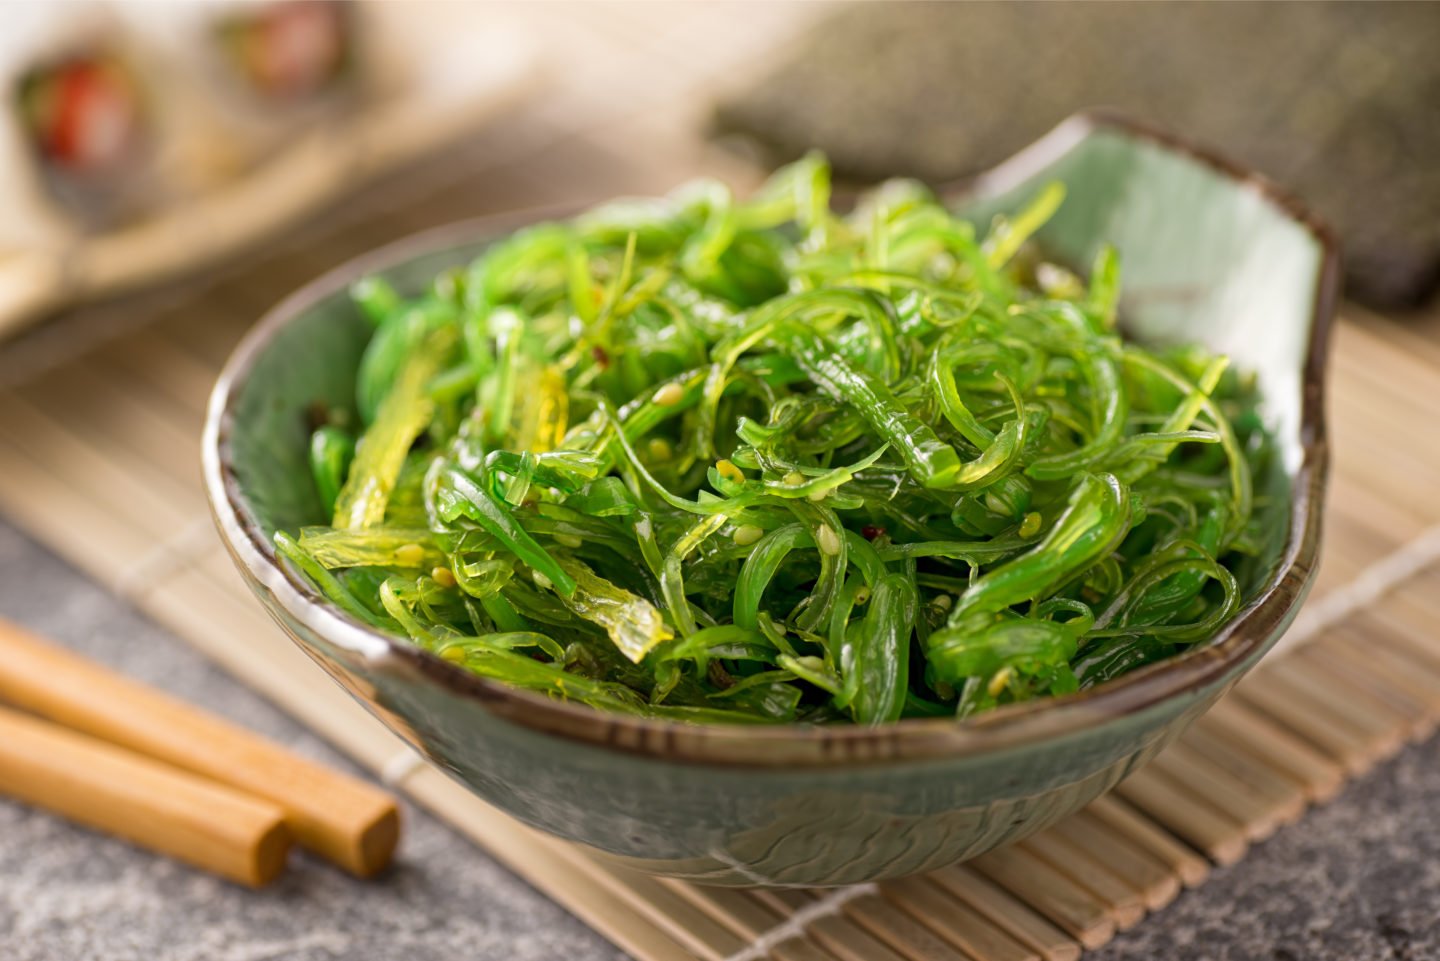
[124,758]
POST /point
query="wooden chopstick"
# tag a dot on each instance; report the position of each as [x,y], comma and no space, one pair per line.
[209,825]
[338,817]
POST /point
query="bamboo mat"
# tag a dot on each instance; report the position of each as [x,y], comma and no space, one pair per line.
[99,425]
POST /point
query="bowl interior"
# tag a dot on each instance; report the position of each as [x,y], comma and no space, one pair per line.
[1207,256]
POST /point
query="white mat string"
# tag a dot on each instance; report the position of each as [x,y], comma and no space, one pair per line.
[795,925]
[1371,584]
[397,770]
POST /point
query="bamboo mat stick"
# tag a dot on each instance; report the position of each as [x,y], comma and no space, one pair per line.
[544,862]
[1402,369]
[119,425]
[1008,913]
[1395,520]
[679,919]
[1218,835]
[1189,867]
[1078,912]
[153,500]
[799,949]
[961,925]
[148,355]
[783,901]
[1405,658]
[1362,549]
[1248,731]
[1405,478]
[804,910]
[844,940]
[210,343]
[902,931]
[736,909]
[160,410]
[1404,407]
[1405,635]
[1417,675]
[1284,794]
[1158,885]
[1415,607]
[343,819]
[94,538]
[203,823]
[1379,723]
[1395,409]
[1411,340]
[1382,678]
[1352,696]
[1122,899]
[1197,775]
[1294,699]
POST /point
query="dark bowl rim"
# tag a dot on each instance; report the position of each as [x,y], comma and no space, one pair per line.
[1246,636]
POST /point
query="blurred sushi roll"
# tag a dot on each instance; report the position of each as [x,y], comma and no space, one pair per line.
[251,74]
[79,125]
[289,51]
[82,112]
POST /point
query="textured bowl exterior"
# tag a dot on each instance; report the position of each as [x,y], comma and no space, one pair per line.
[1211,254]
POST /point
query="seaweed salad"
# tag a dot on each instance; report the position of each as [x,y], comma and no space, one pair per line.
[758,461]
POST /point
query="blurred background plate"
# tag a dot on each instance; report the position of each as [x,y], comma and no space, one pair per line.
[231,182]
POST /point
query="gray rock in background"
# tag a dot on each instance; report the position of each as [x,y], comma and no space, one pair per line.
[1358,880]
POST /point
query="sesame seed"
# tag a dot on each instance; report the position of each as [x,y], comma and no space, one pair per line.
[442,576]
[409,555]
[747,534]
[1030,526]
[827,540]
[998,682]
[669,395]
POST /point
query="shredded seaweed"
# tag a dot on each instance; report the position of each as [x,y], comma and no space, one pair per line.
[759,462]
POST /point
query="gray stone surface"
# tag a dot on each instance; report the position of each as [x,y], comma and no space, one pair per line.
[1357,880]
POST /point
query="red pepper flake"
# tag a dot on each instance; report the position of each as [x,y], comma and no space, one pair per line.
[871,531]
[601,357]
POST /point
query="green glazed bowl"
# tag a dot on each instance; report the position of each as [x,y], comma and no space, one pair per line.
[1211,253]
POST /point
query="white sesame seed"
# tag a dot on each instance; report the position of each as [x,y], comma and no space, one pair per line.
[747,534]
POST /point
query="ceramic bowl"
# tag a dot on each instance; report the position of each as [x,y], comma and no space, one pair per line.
[1210,252]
